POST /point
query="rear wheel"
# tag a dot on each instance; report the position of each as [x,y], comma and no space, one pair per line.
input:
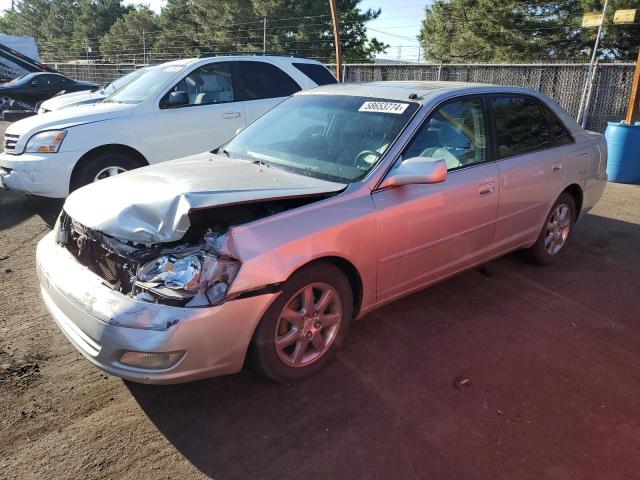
[103,165]
[305,325]
[556,231]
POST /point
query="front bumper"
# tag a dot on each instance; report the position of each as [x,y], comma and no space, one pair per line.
[47,175]
[90,314]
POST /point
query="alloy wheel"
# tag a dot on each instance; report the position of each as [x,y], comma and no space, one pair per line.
[108,172]
[557,230]
[308,325]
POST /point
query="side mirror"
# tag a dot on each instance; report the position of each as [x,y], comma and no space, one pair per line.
[417,170]
[177,99]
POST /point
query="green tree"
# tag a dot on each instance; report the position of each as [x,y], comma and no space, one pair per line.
[131,36]
[463,31]
[178,34]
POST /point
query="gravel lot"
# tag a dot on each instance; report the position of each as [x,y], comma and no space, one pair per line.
[510,371]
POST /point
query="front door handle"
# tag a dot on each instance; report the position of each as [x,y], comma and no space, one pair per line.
[486,189]
[231,114]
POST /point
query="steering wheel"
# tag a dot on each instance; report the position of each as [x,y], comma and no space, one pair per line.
[361,163]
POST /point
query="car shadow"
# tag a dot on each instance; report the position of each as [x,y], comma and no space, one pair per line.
[421,388]
[16,208]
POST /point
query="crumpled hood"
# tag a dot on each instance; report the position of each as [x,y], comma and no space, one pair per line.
[65,118]
[152,204]
[73,98]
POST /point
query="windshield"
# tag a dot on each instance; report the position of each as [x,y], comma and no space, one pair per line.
[145,85]
[118,83]
[333,137]
[21,79]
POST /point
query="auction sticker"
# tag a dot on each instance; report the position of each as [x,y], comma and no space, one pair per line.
[384,107]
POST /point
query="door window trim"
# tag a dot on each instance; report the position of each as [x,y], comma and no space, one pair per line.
[543,107]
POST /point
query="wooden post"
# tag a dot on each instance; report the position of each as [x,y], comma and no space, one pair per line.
[634,100]
[336,39]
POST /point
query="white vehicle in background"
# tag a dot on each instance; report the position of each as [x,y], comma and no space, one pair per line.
[175,109]
[88,96]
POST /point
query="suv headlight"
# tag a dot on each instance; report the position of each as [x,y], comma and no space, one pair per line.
[46,142]
[203,280]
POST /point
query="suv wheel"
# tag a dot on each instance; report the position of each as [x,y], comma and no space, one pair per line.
[305,325]
[101,166]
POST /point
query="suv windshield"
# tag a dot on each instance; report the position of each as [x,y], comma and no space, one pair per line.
[144,86]
[122,81]
[333,137]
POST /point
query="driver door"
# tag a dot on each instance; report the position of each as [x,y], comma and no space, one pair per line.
[430,231]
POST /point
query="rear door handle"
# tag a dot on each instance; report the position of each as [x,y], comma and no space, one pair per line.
[557,167]
[486,189]
[231,114]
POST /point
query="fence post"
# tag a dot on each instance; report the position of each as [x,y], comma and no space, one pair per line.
[440,71]
[587,102]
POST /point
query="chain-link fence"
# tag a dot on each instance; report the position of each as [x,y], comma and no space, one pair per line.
[565,83]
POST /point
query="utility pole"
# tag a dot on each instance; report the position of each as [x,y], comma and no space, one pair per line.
[336,39]
[586,93]
[264,34]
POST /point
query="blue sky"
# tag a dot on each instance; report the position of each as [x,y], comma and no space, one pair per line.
[400,21]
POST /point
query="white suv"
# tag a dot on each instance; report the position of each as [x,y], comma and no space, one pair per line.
[176,109]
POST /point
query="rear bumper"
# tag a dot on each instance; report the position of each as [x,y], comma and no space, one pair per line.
[92,316]
[38,174]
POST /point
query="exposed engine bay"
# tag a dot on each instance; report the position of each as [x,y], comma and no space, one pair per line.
[196,271]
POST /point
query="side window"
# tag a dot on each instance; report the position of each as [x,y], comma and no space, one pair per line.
[559,131]
[206,85]
[262,80]
[521,126]
[318,73]
[454,132]
[54,80]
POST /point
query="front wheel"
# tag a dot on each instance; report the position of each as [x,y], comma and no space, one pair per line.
[556,231]
[101,166]
[305,325]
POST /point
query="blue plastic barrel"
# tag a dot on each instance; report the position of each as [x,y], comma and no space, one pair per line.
[623,141]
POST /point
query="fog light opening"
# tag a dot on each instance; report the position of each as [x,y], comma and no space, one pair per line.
[151,360]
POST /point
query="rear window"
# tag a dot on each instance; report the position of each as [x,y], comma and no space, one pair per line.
[558,129]
[317,73]
[521,126]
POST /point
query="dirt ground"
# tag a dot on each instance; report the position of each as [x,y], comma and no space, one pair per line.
[551,355]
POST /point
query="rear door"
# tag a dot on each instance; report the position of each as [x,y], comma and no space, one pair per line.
[531,167]
[427,232]
[211,117]
[261,86]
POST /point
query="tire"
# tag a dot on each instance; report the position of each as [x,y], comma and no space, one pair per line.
[552,241]
[312,342]
[102,164]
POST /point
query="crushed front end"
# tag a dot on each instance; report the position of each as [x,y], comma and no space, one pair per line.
[148,313]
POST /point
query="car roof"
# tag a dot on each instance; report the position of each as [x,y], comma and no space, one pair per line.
[420,91]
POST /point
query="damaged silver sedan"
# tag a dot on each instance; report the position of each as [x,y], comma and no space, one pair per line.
[335,202]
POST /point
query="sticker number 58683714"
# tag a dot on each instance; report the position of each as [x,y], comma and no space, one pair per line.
[384,107]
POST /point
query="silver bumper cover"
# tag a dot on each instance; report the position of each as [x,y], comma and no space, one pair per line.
[92,315]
